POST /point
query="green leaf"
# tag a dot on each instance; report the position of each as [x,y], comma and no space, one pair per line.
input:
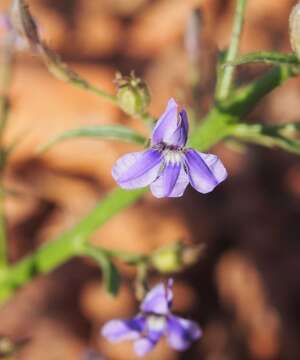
[110,273]
[110,132]
[265,57]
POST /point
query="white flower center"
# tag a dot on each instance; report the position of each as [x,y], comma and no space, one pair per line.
[156,323]
[172,157]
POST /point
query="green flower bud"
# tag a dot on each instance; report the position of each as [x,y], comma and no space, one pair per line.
[6,346]
[295,29]
[9,347]
[175,257]
[133,94]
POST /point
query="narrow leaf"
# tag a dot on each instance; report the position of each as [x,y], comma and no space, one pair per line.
[111,132]
[265,57]
[110,273]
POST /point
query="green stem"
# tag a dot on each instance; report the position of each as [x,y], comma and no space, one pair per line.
[282,136]
[54,253]
[5,79]
[3,244]
[244,99]
[214,127]
[266,57]
[141,286]
[84,85]
[128,257]
[228,72]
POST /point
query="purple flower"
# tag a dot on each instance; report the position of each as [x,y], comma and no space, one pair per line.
[168,166]
[154,321]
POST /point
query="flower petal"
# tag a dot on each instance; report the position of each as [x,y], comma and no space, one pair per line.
[159,299]
[181,184]
[171,128]
[163,186]
[143,345]
[181,332]
[179,137]
[205,171]
[166,124]
[137,170]
[120,330]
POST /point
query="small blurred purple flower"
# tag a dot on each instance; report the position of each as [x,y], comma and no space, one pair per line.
[154,321]
[5,23]
[8,31]
[168,166]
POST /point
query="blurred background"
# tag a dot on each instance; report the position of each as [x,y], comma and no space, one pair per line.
[245,291]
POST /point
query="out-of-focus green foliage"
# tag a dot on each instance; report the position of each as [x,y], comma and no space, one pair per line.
[105,132]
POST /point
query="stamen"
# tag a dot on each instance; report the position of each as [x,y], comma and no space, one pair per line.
[172,157]
[156,323]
